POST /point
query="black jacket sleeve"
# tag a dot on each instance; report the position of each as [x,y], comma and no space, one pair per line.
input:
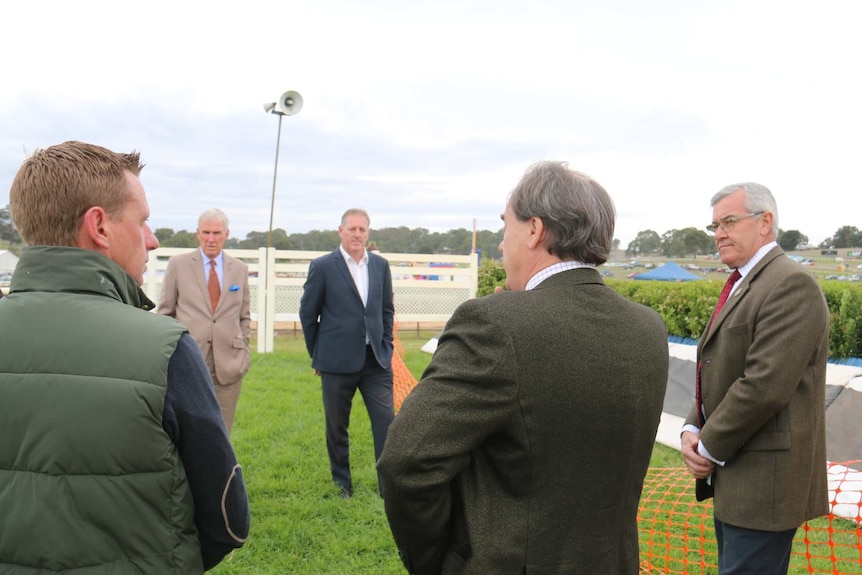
[192,419]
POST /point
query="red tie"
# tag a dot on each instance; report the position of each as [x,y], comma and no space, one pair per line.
[722,299]
[213,286]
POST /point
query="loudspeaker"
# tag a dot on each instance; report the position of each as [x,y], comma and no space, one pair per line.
[290,103]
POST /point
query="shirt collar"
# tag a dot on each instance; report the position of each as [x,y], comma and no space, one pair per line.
[554,269]
[759,255]
[348,258]
[219,259]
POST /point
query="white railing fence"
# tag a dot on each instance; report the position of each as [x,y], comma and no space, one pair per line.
[427,287]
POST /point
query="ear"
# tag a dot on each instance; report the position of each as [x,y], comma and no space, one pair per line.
[537,232]
[766,220]
[93,233]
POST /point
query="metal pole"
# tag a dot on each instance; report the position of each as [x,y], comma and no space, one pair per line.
[274,178]
[269,296]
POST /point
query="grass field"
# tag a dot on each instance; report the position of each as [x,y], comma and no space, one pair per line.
[299,525]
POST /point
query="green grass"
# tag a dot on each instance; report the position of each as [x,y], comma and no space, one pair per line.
[299,524]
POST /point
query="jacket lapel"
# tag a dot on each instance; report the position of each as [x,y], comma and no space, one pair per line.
[226,277]
[199,274]
[372,285]
[740,291]
[345,272]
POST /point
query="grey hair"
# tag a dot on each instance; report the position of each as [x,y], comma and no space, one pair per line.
[213,214]
[356,212]
[577,212]
[758,198]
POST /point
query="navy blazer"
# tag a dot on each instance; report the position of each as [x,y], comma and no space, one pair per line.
[334,321]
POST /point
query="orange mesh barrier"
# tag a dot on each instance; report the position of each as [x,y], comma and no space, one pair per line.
[676,532]
[403,381]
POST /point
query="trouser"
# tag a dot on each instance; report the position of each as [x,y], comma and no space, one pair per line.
[744,551]
[226,395]
[375,385]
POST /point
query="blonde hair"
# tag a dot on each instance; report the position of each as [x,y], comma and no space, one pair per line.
[56,186]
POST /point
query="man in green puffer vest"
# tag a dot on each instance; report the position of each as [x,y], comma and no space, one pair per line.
[113,454]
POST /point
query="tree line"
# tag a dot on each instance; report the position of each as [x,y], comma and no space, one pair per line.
[673,243]
[692,241]
[399,240]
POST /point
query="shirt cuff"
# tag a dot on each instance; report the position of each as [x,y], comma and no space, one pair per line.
[701,448]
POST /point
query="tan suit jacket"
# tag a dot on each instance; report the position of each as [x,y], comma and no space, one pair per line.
[185,297]
[763,382]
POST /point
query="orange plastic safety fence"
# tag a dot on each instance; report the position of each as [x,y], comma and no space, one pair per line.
[403,381]
[677,536]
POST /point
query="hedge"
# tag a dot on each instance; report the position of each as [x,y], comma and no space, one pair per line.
[686,307]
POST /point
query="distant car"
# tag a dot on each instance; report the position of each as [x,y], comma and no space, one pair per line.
[5,281]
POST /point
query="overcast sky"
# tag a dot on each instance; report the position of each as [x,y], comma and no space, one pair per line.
[427,113]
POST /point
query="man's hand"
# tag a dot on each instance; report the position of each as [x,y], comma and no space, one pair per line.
[699,466]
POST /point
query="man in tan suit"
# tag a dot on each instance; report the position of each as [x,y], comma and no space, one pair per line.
[755,439]
[207,291]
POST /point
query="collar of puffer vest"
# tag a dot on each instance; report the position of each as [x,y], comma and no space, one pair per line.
[75,270]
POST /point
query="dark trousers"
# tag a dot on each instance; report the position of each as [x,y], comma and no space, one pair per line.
[744,551]
[375,385]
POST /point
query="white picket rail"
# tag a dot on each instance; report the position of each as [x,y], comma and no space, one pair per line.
[427,287]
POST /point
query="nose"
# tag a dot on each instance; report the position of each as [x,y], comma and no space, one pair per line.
[150,240]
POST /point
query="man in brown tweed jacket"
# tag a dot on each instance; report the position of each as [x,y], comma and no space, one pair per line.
[761,450]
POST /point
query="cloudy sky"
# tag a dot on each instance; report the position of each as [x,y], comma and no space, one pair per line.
[426,113]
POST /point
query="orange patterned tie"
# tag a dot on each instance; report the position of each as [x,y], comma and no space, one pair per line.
[213,286]
[722,299]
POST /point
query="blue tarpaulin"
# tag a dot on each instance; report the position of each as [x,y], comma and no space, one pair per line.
[669,272]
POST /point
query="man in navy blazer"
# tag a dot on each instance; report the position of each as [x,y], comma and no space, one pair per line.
[347,316]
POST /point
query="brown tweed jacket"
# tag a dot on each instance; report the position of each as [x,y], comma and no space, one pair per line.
[763,381]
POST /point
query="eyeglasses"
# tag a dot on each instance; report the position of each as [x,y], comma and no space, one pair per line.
[728,223]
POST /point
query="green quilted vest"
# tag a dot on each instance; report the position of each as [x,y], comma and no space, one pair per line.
[89,480]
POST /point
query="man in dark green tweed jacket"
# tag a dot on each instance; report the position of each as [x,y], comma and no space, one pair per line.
[524,447]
